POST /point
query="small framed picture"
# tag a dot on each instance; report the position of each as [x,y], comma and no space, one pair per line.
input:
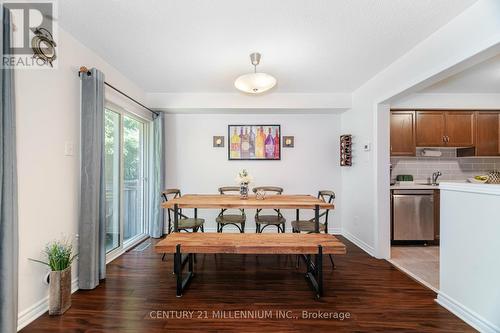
[218,141]
[288,141]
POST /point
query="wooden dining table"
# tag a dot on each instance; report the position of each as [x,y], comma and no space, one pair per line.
[217,201]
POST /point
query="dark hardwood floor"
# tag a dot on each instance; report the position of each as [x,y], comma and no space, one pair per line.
[139,288]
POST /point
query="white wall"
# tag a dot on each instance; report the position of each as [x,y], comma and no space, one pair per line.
[448,101]
[47,107]
[469,270]
[194,166]
[187,102]
[365,213]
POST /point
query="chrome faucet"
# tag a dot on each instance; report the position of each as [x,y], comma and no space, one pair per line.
[435,177]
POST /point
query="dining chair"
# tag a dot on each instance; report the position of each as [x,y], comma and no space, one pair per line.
[308,225]
[185,223]
[277,219]
[224,219]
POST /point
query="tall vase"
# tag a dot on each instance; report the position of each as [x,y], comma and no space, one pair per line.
[59,291]
[244,191]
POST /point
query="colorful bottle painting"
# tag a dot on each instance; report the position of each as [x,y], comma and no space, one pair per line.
[245,144]
[254,142]
[259,143]
[269,145]
[277,145]
[235,145]
[251,138]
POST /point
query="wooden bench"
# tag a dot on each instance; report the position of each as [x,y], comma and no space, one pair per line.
[304,245]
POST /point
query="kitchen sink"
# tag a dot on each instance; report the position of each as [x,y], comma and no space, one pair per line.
[427,183]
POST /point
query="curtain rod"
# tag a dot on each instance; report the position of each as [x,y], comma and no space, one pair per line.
[85,70]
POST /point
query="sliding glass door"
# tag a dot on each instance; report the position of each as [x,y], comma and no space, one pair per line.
[133,182]
[125,173]
[112,178]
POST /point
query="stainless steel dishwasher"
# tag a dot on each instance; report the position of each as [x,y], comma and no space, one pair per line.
[413,215]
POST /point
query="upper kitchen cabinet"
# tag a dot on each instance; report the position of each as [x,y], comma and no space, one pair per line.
[430,128]
[445,128]
[460,128]
[487,133]
[402,133]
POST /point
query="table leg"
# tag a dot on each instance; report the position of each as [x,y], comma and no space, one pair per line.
[176,218]
[316,219]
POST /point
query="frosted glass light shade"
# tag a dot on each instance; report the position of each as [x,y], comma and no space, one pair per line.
[255,83]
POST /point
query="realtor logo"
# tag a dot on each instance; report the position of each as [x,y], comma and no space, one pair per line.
[33,39]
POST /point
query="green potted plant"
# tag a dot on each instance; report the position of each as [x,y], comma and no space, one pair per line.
[59,258]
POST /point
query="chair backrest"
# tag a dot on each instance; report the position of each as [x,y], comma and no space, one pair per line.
[224,190]
[326,196]
[170,194]
[229,190]
[274,190]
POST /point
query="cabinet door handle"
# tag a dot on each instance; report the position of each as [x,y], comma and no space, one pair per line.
[447,139]
[444,138]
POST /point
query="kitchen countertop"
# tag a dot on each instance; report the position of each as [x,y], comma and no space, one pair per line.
[421,185]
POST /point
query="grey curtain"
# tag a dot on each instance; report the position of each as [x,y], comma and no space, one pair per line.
[157,177]
[8,189]
[92,249]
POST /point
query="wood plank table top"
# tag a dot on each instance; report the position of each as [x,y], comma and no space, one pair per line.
[293,243]
[284,201]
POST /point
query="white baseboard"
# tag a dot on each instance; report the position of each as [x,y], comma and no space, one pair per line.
[335,231]
[467,315]
[39,308]
[358,242]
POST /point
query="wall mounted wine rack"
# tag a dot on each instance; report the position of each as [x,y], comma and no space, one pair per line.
[346,150]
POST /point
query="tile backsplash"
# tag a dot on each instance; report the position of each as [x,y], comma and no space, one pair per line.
[451,167]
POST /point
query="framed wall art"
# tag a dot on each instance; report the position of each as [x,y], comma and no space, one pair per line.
[254,142]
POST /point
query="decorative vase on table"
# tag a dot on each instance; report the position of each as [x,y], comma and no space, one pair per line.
[59,291]
[244,191]
[243,179]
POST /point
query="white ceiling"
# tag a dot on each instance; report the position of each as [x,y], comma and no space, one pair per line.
[196,46]
[483,78]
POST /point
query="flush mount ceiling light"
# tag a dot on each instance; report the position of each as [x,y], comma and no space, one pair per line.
[255,83]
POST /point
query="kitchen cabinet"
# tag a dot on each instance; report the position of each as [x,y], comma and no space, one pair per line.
[475,131]
[445,128]
[403,133]
[460,128]
[487,133]
[430,128]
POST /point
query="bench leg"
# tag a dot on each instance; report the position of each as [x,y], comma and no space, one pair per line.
[314,274]
[319,271]
[182,284]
